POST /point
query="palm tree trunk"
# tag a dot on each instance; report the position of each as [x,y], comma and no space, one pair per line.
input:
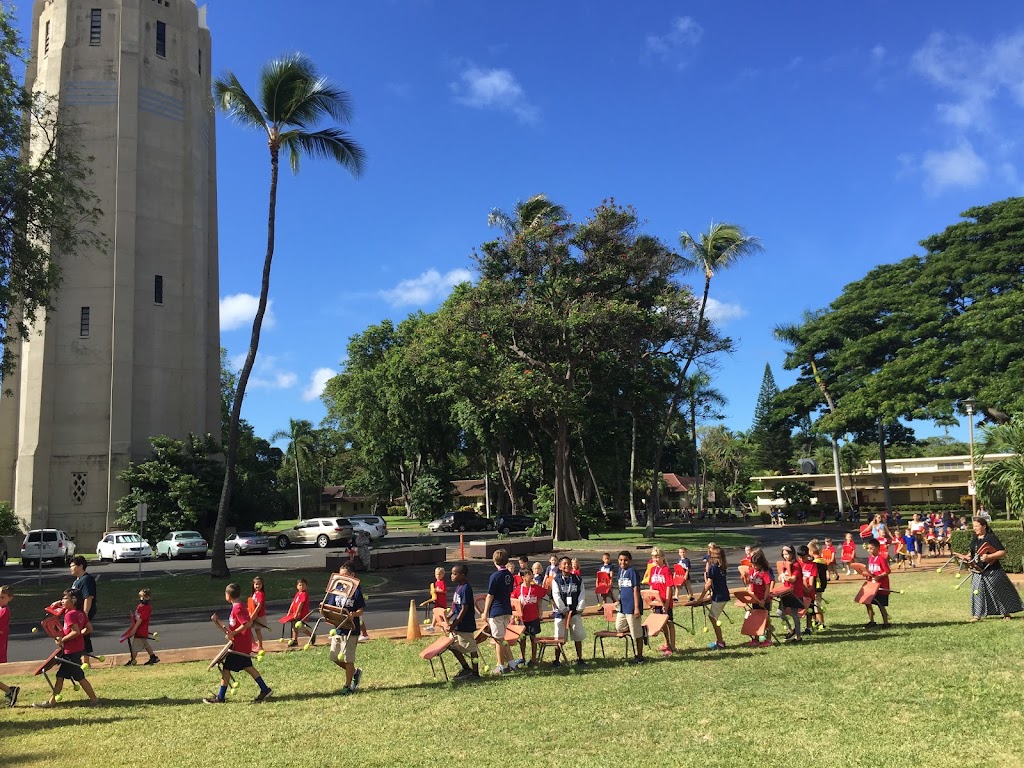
[632,475]
[298,484]
[886,495]
[219,564]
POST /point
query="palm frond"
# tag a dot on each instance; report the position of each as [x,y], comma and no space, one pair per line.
[328,143]
[232,99]
[281,80]
[316,100]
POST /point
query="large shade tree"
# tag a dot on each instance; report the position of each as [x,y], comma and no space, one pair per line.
[292,100]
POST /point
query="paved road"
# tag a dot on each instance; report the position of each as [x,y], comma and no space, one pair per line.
[387,605]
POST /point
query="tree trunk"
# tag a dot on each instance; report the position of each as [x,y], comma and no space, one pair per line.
[836,465]
[885,469]
[505,461]
[633,521]
[298,485]
[593,480]
[219,564]
[565,524]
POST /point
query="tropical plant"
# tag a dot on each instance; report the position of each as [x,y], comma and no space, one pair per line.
[301,437]
[293,99]
[1005,476]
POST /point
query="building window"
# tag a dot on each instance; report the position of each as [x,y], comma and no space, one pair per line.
[161,39]
[158,289]
[200,61]
[46,40]
[95,26]
[948,465]
[83,324]
[78,486]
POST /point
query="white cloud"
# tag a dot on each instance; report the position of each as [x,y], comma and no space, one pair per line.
[677,46]
[878,54]
[723,312]
[268,373]
[238,311]
[957,167]
[495,89]
[317,381]
[428,287]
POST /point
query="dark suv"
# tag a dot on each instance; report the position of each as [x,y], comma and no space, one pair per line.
[510,523]
[465,521]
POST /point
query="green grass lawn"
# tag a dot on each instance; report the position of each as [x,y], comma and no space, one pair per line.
[932,690]
[172,592]
[664,536]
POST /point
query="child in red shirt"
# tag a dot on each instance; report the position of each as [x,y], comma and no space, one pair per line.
[828,554]
[72,643]
[791,574]
[239,633]
[298,611]
[258,610]
[849,552]
[438,595]
[878,567]
[6,595]
[660,577]
[529,596]
[140,629]
[761,583]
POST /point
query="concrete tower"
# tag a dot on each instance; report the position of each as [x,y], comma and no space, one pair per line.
[133,348]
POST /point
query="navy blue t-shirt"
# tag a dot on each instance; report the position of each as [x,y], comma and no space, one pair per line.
[464,597]
[719,584]
[628,579]
[500,588]
[86,585]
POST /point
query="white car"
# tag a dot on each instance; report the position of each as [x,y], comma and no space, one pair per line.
[47,544]
[367,527]
[123,546]
[376,520]
[435,525]
[182,544]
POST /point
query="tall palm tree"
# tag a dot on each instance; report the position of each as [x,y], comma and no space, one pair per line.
[713,251]
[301,438]
[292,99]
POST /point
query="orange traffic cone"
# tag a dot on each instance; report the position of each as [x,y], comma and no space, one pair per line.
[412,632]
[462,546]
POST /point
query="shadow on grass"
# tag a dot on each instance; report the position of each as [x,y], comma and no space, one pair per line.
[13,727]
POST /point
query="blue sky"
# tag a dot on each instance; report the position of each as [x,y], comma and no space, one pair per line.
[839,134]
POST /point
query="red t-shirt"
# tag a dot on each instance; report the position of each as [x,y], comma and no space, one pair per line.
[72,618]
[242,642]
[829,553]
[798,581]
[143,612]
[440,594]
[810,574]
[849,551]
[529,597]
[878,567]
[661,580]
[259,598]
[299,608]
[5,630]
[760,582]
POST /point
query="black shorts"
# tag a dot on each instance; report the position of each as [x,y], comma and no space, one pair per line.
[881,600]
[532,628]
[69,666]
[664,609]
[792,602]
[236,662]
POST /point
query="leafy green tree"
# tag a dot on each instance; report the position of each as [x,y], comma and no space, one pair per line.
[301,438]
[293,99]
[10,525]
[794,492]
[769,436]
[429,497]
[47,211]
[180,485]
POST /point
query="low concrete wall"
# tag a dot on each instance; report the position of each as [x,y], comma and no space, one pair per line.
[394,558]
[485,548]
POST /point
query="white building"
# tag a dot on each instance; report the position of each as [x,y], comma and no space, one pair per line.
[933,479]
[133,348]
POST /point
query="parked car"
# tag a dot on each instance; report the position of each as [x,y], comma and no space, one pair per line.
[376,520]
[465,521]
[182,544]
[435,525]
[366,526]
[323,532]
[3,553]
[510,523]
[47,544]
[123,545]
[245,542]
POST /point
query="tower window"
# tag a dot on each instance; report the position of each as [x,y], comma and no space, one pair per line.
[158,289]
[161,39]
[79,485]
[83,323]
[200,61]
[95,26]
[46,40]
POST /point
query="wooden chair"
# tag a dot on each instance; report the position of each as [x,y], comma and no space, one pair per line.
[436,651]
[610,631]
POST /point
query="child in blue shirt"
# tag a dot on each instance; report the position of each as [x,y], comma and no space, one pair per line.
[630,606]
[717,585]
[463,624]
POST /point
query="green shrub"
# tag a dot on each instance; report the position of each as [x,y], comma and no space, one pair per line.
[9,523]
[1012,539]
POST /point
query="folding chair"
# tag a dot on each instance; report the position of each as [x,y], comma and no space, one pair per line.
[599,636]
[436,651]
[603,587]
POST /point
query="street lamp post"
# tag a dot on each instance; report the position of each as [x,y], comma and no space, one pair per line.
[969,405]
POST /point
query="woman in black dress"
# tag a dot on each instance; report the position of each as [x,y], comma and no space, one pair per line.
[992,593]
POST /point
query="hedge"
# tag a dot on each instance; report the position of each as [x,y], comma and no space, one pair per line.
[1012,538]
